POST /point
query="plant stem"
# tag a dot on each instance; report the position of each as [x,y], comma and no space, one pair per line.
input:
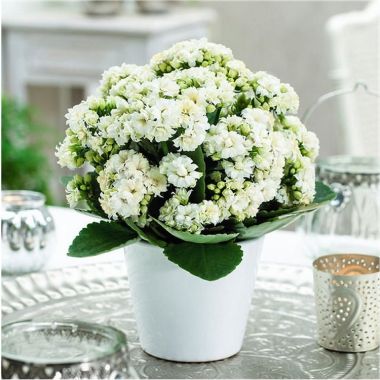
[164,147]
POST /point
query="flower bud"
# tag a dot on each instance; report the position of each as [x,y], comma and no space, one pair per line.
[79,161]
[207,55]
[176,65]
[221,184]
[223,112]
[210,108]
[232,73]
[87,178]
[245,129]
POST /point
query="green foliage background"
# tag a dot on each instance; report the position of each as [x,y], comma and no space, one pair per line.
[25,166]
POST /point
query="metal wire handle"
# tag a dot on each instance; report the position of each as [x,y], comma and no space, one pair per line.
[333,94]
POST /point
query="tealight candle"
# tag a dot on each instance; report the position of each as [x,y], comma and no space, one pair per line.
[346,288]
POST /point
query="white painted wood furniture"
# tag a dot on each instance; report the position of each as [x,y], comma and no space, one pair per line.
[60,46]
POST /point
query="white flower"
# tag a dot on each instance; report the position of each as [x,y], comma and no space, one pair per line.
[282,196]
[116,128]
[222,143]
[162,120]
[73,196]
[126,182]
[197,96]
[114,74]
[267,85]
[157,181]
[180,170]
[66,156]
[191,217]
[192,137]
[281,144]
[241,167]
[310,143]
[190,53]
[168,87]
[269,188]
[138,124]
[255,116]
[256,198]
[239,205]
[305,181]
[209,213]
[286,100]
[264,158]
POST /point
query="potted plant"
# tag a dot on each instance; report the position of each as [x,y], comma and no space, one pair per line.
[195,158]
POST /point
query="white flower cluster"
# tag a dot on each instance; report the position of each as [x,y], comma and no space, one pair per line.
[128,182]
[192,98]
[191,54]
[179,170]
[179,213]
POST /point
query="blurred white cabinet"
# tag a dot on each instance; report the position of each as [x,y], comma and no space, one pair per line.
[64,48]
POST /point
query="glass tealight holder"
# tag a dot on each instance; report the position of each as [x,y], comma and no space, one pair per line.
[64,350]
[347,298]
[351,222]
[27,232]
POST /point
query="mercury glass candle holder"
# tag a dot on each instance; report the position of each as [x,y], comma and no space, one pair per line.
[27,232]
[347,288]
[64,350]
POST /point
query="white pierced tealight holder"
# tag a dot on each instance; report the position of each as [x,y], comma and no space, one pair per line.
[347,297]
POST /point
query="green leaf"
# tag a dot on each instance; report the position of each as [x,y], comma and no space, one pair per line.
[101,237]
[149,149]
[323,195]
[207,261]
[213,117]
[145,234]
[258,230]
[241,103]
[199,191]
[280,219]
[197,238]
[88,212]
[164,147]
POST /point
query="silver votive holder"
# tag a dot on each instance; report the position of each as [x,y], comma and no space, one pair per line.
[27,231]
[346,288]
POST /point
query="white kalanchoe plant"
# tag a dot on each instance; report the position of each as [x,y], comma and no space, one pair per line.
[193,153]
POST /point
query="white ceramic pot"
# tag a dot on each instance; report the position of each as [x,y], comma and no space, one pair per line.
[183,318]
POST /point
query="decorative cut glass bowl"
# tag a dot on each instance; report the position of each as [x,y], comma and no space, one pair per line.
[61,350]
